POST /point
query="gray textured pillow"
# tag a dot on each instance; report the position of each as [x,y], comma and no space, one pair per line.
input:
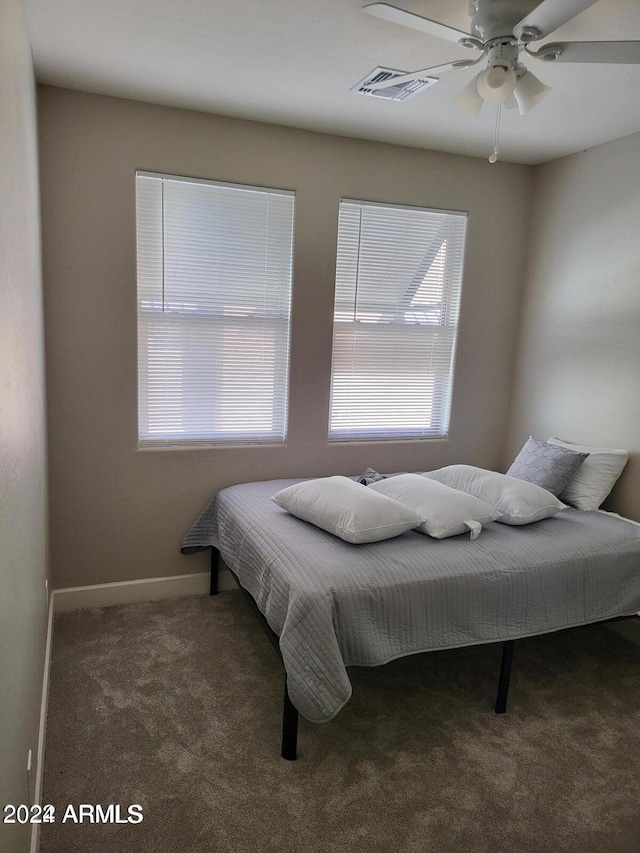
[546,465]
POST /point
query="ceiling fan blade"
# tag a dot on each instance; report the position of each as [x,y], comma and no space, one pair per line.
[548,16]
[423,74]
[414,22]
[620,52]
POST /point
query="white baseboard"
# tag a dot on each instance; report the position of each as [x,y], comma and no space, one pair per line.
[42,730]
[145,589]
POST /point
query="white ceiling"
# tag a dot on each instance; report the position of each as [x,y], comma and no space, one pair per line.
[292,62]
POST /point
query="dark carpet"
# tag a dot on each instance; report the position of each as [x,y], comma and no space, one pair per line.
[175,705]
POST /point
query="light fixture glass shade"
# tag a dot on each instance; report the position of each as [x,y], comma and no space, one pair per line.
[469,98]
[529,91]
[496,83]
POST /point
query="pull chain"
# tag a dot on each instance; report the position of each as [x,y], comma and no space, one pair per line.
[493,158]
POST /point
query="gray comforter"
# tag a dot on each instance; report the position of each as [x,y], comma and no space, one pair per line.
[335,605]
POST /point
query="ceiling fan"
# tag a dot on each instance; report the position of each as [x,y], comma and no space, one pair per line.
[502,30]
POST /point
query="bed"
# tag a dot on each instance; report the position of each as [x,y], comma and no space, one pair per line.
[329,604]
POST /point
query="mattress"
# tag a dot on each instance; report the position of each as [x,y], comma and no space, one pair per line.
[335,605]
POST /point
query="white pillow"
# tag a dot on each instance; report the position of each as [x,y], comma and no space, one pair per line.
[517,501]
[347,509]
[595,478]
[448,512]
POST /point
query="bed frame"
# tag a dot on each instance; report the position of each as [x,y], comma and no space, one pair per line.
[290,712]
[289,745]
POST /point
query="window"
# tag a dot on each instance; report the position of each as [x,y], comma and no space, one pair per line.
[214,294]
[398,281]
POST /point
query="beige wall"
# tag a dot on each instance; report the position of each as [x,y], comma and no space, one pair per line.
[23,617]
[118,513]
[579,359]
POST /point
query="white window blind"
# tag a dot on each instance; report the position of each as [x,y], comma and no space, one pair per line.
[214,295]
[398,283]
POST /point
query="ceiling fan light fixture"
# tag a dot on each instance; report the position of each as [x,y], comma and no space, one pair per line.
[469,99]
[496,77]
[529,91]
[496,83]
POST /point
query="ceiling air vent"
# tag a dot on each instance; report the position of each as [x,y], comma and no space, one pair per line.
[392,93]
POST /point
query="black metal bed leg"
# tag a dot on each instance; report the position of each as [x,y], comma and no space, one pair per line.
[289,727]
[213,583]
[505,675]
